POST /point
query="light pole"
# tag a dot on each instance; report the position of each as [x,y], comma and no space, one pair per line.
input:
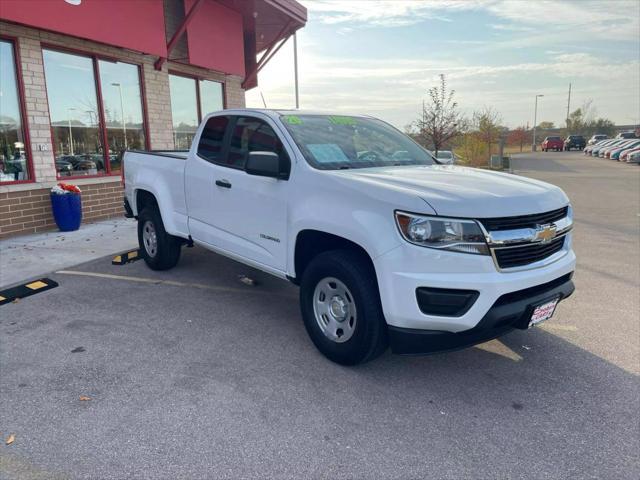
[535,121]
[124,125]
[70,133]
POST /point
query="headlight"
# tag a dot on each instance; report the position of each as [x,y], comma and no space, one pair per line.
[453,234]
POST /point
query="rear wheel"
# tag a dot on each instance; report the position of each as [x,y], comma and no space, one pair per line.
[160,250]
[341,307]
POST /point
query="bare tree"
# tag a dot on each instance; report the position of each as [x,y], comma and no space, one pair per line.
[441,120]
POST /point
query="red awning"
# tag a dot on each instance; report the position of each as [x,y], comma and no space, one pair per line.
[226,35]
[222,35]
[137,25]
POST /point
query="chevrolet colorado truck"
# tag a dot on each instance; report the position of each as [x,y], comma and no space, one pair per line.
[389,247]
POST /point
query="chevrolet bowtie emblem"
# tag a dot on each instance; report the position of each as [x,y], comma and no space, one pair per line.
[545,233]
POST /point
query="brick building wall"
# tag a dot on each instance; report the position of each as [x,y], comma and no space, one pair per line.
[29,211]
[25,208]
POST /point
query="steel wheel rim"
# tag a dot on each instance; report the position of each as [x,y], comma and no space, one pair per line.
[149,238]
[335,310]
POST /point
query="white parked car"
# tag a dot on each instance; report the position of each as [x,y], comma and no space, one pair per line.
[634,157]
[387,248]
[598,137]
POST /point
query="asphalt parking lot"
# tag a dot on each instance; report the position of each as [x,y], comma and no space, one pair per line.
[193,374]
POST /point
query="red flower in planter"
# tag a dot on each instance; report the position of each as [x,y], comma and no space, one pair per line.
[69,188]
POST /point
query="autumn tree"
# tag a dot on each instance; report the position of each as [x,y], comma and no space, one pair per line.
[486,122]
[546,125]
[519,136]
[602,125]
[584,121]
[441,120]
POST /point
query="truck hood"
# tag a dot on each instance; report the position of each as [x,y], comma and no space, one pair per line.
[465,192]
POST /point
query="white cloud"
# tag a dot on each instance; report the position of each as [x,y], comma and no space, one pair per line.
[510,27]
[612,19]
[388,13]
[394,90]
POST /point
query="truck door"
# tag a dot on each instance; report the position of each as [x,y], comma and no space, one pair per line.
[244,215]
[199,177]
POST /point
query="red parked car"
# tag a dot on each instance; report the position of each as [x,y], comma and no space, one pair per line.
[553,143]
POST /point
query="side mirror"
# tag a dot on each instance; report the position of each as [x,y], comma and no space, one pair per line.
[266,164]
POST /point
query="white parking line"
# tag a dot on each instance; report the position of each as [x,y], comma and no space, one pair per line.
[173,283]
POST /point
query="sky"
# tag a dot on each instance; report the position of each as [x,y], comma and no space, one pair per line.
[381,57]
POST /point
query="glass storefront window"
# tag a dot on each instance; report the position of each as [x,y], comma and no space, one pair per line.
[184,110]
[89,138]
[73,108]
[13,155]
[211,97]
[122,104]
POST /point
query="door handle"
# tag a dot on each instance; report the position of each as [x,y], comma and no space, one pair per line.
[223,183]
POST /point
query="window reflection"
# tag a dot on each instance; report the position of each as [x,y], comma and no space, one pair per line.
[122,103]
[13,157]
[184,110]
[210,97]
[75,123]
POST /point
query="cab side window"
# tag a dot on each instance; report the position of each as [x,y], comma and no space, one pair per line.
[252,135]
[212,139]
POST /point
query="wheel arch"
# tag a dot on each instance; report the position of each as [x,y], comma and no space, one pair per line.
[310,243]
[144,198]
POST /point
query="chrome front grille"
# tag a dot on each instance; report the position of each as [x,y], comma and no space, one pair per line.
[510,257]
[524,241]
[523,221]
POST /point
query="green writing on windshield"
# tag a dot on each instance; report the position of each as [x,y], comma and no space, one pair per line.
[336,120]
[292,119]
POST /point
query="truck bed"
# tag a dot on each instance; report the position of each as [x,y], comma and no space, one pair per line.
[160,173]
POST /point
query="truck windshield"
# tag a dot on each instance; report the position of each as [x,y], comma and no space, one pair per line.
[330,142]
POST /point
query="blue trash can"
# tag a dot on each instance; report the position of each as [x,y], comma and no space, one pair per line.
[67,211]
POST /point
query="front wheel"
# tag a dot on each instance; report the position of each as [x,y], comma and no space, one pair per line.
[160,250]
[341,307]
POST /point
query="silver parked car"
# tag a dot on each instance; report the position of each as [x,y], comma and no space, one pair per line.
[446,157]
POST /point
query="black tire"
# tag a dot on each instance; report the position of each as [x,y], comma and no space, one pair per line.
[168,247]
[369,338]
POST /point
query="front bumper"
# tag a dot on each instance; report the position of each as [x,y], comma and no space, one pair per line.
[510,311]
[407,268]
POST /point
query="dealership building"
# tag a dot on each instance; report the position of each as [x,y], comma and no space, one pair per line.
[83,80]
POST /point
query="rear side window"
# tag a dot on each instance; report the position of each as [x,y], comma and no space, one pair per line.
[211,140]
[252,135]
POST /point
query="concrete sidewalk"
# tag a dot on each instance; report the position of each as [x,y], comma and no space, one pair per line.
[29,256]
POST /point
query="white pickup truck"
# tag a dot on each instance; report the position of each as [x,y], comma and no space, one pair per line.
[388,246]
